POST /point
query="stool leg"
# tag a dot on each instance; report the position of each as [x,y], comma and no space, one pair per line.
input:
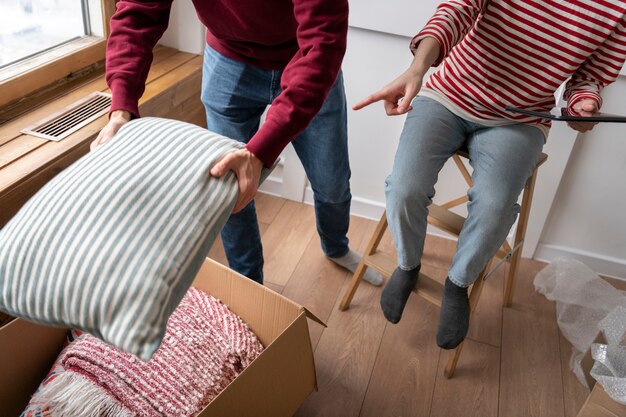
[464,172]
[354,284]
[474,296]
[360,270]
[520,233]
[448,372]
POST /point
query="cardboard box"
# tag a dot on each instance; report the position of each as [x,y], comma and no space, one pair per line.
[274,385]
[598,403]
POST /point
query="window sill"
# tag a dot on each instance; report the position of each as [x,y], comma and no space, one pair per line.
[28,162]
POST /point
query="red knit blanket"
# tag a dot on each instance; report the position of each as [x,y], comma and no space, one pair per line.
[205,347]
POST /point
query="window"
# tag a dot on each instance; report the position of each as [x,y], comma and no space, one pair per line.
[42,41]
[31,26]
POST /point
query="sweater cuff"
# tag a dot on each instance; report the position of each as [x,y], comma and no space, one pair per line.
[580,95]
[264,146]
[122,99]
[267,156]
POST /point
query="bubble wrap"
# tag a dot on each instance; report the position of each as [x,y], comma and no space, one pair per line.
[585,305]
[614,326]
[609,369]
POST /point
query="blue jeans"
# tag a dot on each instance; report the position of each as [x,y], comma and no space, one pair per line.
[235,95]
[502,159]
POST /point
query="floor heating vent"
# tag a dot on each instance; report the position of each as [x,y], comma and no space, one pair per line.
[68,120]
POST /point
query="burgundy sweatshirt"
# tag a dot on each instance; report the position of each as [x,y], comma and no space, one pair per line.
[306,38]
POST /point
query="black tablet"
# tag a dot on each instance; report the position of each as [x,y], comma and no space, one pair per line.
[560,114]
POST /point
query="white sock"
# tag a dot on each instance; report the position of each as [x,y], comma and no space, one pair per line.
[351,260]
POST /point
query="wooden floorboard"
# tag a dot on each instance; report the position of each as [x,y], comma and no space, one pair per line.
[530,382]
[486,324]
[286,240]
[315,284]
[514,362]
[275,287]
[268,207]
[574,393]
[438,251]
[217,252]
[406,366]
[345,355]
[473,391]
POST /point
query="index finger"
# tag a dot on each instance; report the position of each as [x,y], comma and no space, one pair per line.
[373,98]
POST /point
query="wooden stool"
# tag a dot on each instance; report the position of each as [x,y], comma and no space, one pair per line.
[444,219]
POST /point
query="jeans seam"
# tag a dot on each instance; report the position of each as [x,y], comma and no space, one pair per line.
[404,268]
[273,86]
[457,282]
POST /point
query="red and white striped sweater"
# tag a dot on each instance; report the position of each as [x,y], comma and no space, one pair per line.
[518,52]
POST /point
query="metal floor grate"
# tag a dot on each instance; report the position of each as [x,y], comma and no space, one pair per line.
[67,121]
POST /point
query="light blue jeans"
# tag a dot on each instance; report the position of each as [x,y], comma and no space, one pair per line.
[502,159]
[234,96]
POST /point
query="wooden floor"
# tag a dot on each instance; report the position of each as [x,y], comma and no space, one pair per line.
[514,362]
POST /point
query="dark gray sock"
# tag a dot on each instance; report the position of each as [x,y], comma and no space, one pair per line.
[396,293]
[454,317]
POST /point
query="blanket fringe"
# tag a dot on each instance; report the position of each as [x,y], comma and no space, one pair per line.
[71,395]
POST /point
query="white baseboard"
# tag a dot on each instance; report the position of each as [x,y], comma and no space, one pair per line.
[601,264]
[272,186]
[360,207]
[370,209]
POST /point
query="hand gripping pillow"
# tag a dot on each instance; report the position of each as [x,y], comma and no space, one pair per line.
[111,245]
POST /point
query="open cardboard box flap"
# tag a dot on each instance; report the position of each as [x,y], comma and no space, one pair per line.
[27,352]
[275,384]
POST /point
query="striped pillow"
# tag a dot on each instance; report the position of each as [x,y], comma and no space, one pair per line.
[111,245]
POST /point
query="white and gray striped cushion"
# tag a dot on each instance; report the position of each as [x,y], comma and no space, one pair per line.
[111,244]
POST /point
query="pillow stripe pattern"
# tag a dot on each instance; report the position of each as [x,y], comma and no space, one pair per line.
[111,245]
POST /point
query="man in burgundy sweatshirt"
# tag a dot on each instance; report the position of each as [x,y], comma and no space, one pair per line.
[284,53]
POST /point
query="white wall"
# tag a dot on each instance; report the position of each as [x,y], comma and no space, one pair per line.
[397,17]
[587,219]
[185,32]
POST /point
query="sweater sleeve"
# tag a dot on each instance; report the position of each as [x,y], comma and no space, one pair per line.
[600,69]
[136,27]
[450,23]
[307,78]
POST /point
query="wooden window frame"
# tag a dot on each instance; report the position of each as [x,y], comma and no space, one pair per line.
[58,63]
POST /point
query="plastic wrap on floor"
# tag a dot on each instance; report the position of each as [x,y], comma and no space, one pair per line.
[609,368]
[587,304]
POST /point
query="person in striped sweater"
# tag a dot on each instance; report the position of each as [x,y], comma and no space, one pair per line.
[491,54]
